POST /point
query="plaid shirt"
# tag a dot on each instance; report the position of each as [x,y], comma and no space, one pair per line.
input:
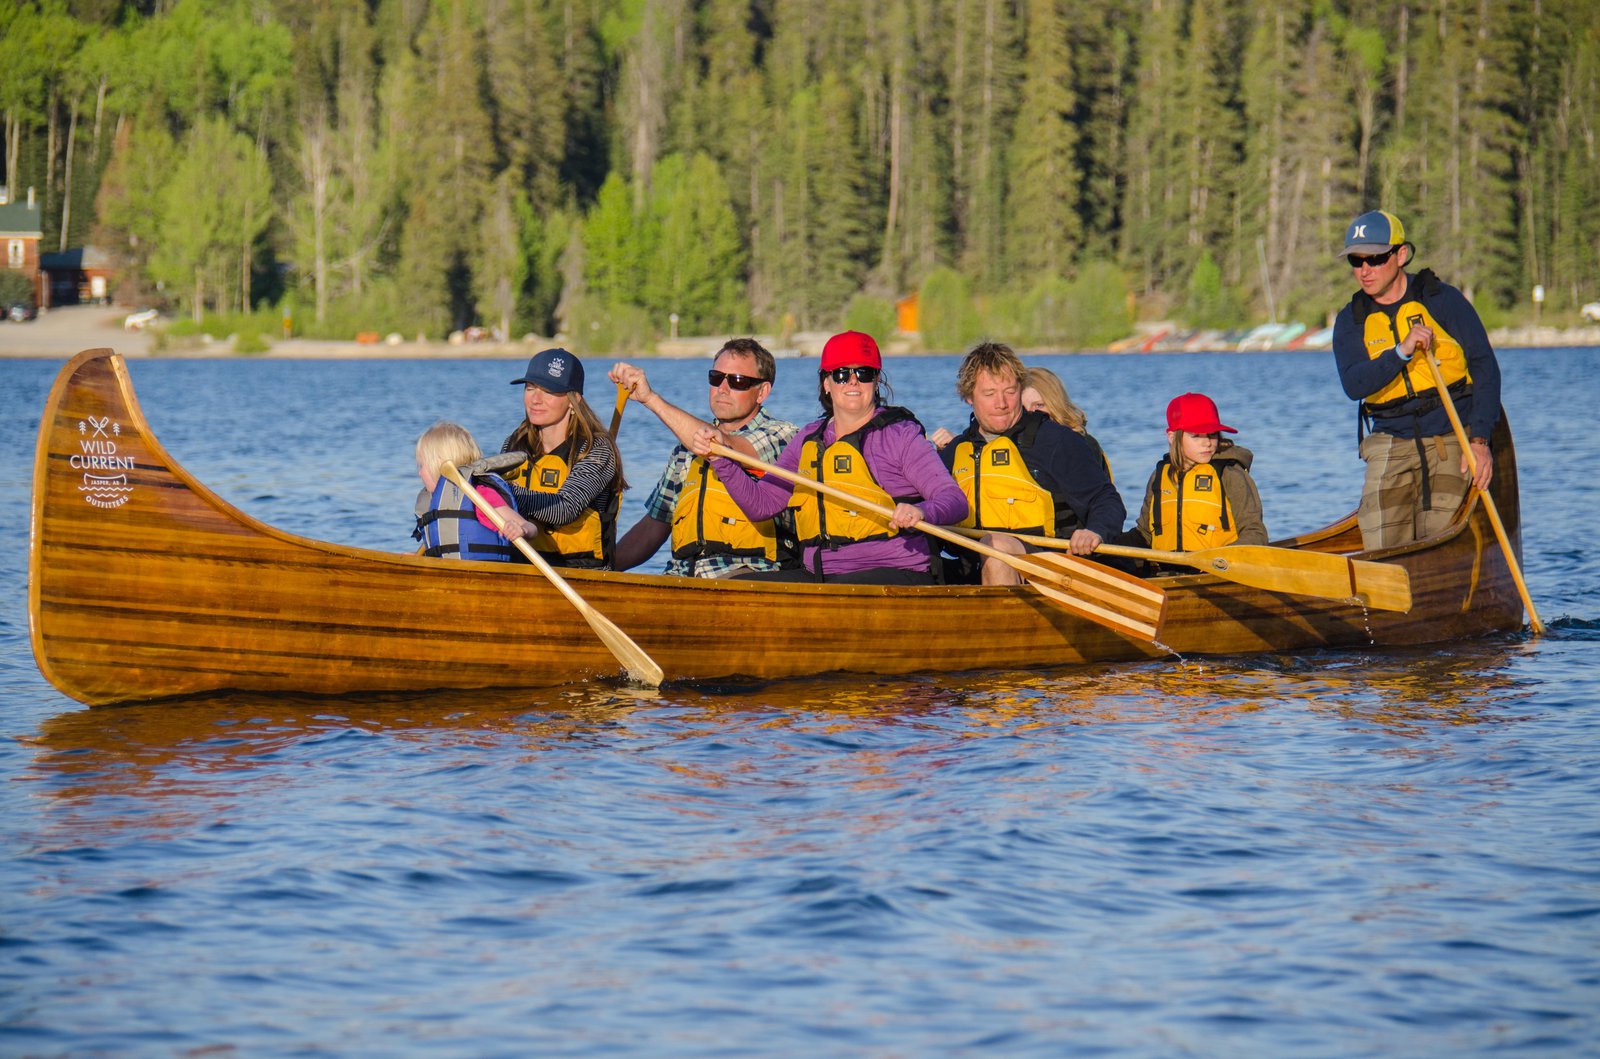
[769,436]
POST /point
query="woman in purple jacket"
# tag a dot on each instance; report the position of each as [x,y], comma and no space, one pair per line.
[873,450]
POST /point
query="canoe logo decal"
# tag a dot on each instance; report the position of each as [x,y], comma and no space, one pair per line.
[104,483]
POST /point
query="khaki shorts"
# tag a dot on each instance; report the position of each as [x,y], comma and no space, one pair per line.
[1391,498]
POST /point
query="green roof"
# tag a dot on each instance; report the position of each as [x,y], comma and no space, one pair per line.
[18,218]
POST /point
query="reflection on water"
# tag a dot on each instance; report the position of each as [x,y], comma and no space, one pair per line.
[1146,859]
[155,750]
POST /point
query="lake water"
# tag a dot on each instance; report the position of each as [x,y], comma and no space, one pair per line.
[1354,853]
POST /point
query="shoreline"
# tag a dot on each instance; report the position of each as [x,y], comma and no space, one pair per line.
[64,332]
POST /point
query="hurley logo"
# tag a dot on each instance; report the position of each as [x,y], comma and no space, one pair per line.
[1360,232]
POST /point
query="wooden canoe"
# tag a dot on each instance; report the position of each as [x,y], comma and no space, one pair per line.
[144,584]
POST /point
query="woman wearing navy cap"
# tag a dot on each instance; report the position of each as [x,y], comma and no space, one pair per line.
[868,447]
[568,489]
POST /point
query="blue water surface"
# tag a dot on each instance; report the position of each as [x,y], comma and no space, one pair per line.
[1353,853]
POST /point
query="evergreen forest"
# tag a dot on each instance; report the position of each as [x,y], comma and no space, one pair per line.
[1041,171]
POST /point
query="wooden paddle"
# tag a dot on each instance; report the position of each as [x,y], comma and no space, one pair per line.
[1120,602]
[622,402]
[1483,494]
[640,666]
[1288,570]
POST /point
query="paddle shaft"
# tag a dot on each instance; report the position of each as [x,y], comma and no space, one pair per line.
[848,497]
[616,416]
[1323,575]
[1062,543]
[1488,501]
[1107,586]
[639,665]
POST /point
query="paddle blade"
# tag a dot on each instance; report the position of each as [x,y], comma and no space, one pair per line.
[1124,603]
[1383,586]
[1302,573]
[638,665]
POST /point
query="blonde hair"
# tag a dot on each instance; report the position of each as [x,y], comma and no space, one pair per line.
[996,358]
[447,441]
[1057,405]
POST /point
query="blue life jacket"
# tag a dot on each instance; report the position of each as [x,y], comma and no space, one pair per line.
[450,526]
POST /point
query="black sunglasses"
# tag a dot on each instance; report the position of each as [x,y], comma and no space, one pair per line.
[843,374]
[738,382]
[1373,260]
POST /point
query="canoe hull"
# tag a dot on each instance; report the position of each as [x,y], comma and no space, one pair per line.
[143,584]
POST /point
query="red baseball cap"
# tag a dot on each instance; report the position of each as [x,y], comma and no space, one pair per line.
[1195,413]
[853,349]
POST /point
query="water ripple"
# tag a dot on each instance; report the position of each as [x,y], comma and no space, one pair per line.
[1344,853]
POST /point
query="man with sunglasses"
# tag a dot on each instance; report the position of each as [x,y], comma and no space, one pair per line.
[1417,476]
[711,536]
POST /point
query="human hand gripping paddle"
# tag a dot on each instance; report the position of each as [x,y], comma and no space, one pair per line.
[639,666]
[1121,602]
[1380,586]
[1489,507]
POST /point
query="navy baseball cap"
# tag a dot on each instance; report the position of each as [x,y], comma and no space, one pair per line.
[554,370]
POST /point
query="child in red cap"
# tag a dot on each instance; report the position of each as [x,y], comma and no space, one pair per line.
[1201,494]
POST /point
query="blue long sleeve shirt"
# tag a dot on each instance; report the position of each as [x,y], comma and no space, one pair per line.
[1362,376]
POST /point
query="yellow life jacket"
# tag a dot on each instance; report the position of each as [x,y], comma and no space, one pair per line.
[1379,333]
[587,537]
[1192,513]
[708,521]
[1002,493]
[822,521]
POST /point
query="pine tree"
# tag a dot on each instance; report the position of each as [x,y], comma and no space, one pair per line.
[501,266]
[1211,133]
[1568,138]
[213,208]
[985,63]
[1449,167]
[613,247]
[1299,166]
[1101,34]
[450,178]
[525,103]
[696,264]
[1151,205]
[1046,229]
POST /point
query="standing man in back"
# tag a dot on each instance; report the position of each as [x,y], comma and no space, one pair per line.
[711,537]
[1417,475]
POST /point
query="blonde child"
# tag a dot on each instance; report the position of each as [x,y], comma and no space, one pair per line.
[448,523]
[1201,494]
